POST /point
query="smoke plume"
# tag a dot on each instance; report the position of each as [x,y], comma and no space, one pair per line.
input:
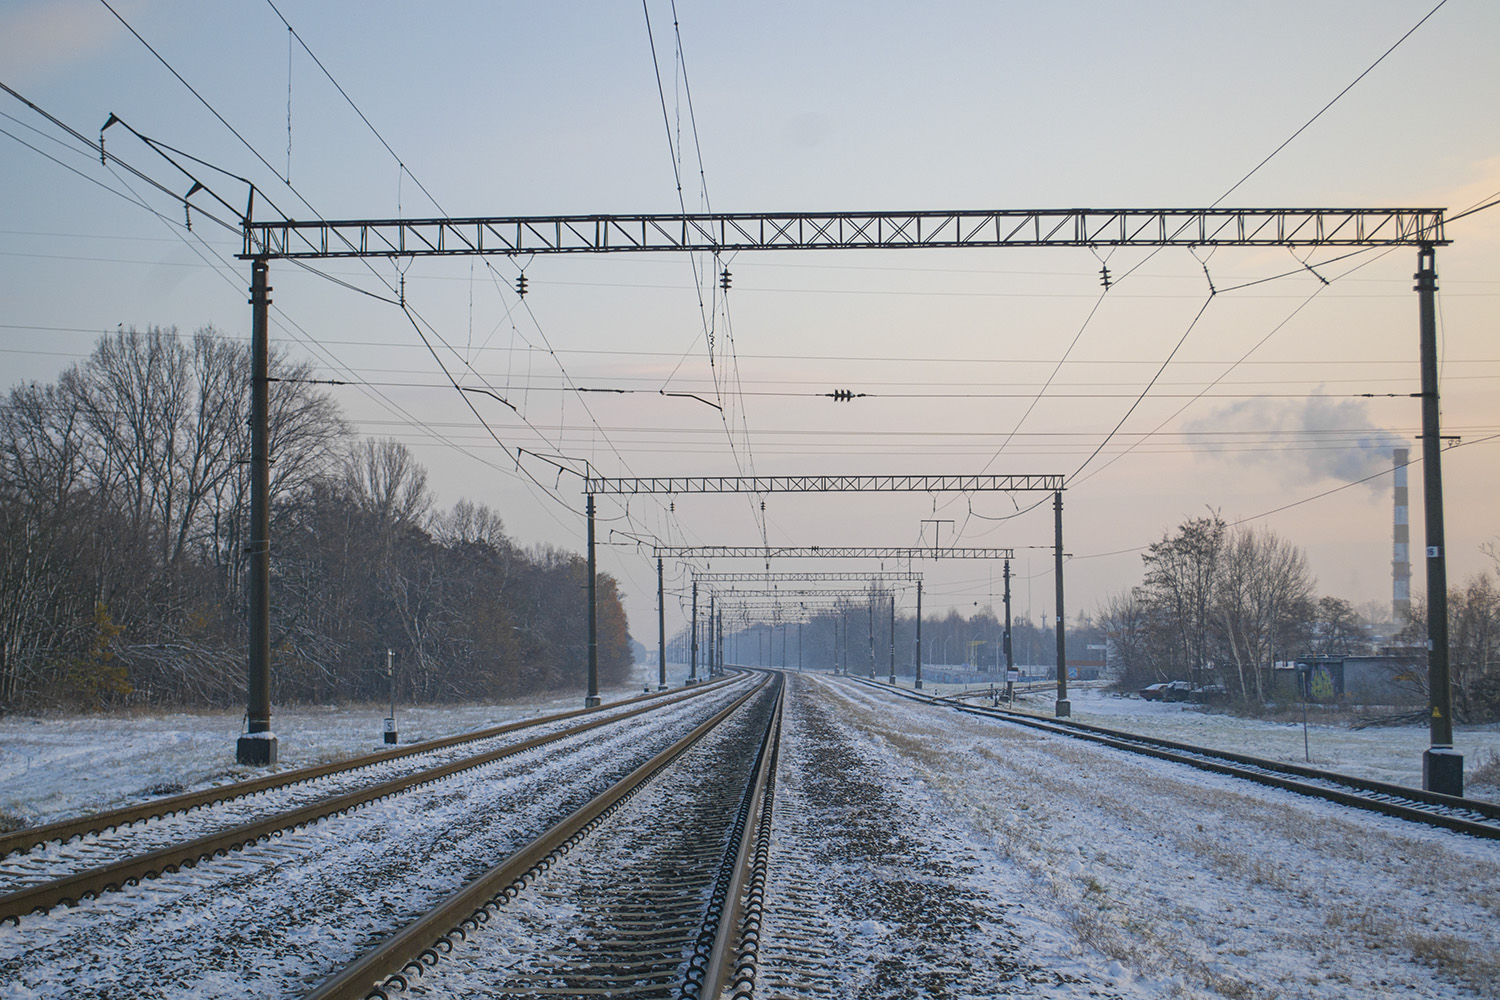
[1311,442]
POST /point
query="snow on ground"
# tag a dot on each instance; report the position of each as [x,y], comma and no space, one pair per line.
[276,917]
[877,890]
[1135,877]
[1383,753]
[1181,883]
[54,768]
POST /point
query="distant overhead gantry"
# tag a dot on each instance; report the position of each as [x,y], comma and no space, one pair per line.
[810,577]
[633,486]
[826,552]
[791,597]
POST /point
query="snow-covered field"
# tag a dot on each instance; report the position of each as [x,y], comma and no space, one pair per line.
[52,768]
[1383,753]
[1148,879]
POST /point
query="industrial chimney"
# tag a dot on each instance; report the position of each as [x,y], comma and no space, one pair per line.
[1401,552]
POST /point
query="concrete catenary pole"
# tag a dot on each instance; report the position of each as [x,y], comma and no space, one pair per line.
[591,700]
[1010,658]
[693,663]
[1064,707]
[919,636]
[257,747]
[1442,768]
[661,631]
[893,637]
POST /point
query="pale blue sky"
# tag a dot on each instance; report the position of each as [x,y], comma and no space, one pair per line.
[501,108]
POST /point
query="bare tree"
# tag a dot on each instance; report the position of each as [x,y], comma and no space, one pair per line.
[1131,631]
[1474,648]
[386,480]
[1181,574]
[1263,591]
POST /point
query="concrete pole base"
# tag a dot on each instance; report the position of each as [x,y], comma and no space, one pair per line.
[256,751]
[1443,771]
[892,679]
[662,687]
[592,701]
[1064,709]
[919,685]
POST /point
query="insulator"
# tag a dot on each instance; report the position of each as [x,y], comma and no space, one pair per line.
[521,284]
[1104,277]
[724,279]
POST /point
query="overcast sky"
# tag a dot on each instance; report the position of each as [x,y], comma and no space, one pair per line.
[504,109]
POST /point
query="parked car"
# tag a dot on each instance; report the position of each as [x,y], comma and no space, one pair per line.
[1177,691]
[1153,692]
[1212,693]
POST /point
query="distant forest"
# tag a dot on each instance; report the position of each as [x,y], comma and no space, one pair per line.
[124,503]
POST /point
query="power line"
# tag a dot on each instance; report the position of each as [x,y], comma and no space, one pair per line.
[1330,104]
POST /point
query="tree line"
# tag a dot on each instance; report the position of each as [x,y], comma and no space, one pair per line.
[845,635]
[124,507]
[1219,606]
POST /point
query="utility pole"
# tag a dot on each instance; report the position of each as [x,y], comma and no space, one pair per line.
[713,651]
[1064,707]
[893,637]
[1442,768]
[257,747]
[592,699]
[837,658]
[693,664]
[799,647]
[919,635]
[871,603]
[1010,662]
[844,648]
[661,630]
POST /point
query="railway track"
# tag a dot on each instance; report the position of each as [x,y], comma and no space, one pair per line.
[281,915]
[653,889]
[1475,818]
[145,842]
[63,831]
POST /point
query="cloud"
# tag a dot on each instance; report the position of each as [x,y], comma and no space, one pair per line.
[1314,441]
[44,40]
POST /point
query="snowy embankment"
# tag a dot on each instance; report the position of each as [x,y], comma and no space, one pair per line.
[1381,753]
[276,917]
[1152,879]
[52,768]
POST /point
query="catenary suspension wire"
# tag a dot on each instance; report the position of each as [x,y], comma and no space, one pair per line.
[1330,104]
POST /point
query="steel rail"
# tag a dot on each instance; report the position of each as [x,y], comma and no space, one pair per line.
[732,962]
[423,942]
[65,830]
[95,881]
[1418,805]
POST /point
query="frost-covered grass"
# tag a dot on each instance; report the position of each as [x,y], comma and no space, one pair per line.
[55,767]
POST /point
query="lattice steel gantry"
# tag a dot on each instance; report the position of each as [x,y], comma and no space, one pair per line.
[735,232]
